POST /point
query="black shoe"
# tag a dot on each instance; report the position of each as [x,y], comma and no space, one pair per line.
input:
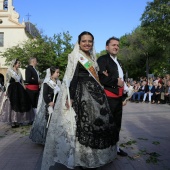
[14,124]
[137,101]
[122,153]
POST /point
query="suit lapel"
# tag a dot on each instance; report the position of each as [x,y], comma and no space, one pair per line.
[110,60]
[35,75]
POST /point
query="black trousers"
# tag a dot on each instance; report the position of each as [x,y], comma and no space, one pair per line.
[167,98]
[33,95]
[116,109]
[156,97]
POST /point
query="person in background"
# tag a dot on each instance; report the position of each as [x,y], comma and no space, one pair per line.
[141,91]
[32,82]
[48,94]
[136,89]
[166,79]
[130,91]
[167,92]
[151,91]
[16,108]
[157,95]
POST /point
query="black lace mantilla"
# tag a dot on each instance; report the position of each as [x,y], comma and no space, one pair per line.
[95,127]
[18,97]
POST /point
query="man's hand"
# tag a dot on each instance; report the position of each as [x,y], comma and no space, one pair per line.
[120,83]
[105,73]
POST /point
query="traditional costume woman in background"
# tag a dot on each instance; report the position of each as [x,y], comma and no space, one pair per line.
[47,97]
[83,135]
[16,108]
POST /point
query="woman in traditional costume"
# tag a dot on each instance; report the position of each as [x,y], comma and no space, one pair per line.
[47,98]
[81,132]
[16,106]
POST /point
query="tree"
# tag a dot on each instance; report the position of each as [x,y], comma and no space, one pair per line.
[103,52]
[48,51]
[138,53]
[156,21]
[147,48]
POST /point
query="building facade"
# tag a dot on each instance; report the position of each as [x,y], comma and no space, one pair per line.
[12,32]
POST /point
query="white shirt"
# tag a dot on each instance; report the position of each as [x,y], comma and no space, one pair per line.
[120,71]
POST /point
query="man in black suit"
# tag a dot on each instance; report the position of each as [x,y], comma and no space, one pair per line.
[111,77]
[32,82]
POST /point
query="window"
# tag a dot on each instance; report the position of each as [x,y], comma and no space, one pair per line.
[1,39]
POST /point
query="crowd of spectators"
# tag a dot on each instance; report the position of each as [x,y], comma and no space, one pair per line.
[154,90]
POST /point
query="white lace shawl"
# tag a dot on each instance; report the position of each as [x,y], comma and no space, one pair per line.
[11,73]
[41,102]
[62,120]
[60,107]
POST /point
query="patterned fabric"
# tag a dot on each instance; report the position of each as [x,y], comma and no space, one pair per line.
[9,115]
[18,97]
[16,106]
[38,130]
[89,65]
[94,121]
[62,145]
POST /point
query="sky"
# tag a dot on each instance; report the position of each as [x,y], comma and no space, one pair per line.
[103,18]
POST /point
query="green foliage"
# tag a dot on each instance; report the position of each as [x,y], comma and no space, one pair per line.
[101,53]
[50,51]
[136,50]
[156,24]
[153,158]
[130,142]
[147,48]
[64,47]
[156,21]
[156,142]
[142,138]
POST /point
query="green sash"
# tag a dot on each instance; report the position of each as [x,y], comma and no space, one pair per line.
[88,65]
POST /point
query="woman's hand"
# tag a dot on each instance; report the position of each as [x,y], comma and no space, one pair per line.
[67,104]
[51,104]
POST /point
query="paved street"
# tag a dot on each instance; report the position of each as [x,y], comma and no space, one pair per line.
[145,135]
